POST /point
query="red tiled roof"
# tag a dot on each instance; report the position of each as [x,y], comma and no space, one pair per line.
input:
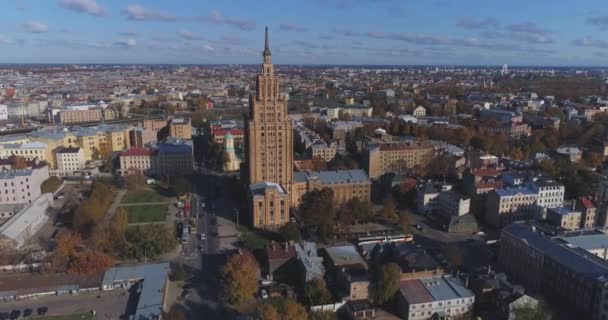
[280,252]
[587,203]
[486,172]
[137,152]
[234,132]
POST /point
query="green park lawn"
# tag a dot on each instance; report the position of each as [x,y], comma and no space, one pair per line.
[79,316]
[143,195]
[153,213]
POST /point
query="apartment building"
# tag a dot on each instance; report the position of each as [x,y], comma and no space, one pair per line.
[174,157]
[345,184]
[387,157]
[322,150]
[70,160]
[511,204]
[238,135]
[136,161]
[154,124]
[180,128]
[566,274]
[426,298]
[29,151]
[21,186]
[74,116]
[550,194]
[140,137]
[589,212]
[564,217]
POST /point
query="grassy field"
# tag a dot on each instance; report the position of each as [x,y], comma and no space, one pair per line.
[79,316]
[139,214]
[143,195]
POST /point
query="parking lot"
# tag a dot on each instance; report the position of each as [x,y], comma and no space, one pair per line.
[107,305]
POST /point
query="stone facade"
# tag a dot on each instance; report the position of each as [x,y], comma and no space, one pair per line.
[269,142]
[398,157]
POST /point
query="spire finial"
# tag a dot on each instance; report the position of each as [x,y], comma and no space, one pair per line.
[266,47]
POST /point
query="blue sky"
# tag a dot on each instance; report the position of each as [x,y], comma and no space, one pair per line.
[472,32]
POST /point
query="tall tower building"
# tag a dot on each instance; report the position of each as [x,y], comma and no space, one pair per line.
[269,135]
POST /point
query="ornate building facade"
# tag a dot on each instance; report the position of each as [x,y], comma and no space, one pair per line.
[269,142]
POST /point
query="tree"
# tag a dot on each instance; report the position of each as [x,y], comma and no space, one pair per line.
[291,232]
[531,312]
[317,292]
[50,185]
[147,241]
[405,221]
[181,185]
[317,209]
[593,159]
[387,283]
[266,311]
[389,209]
[176,312]
[318,164]
[355,210]
[135,181]
[90,263]
[454,254]
[239,278]
[294,311]
[19,163]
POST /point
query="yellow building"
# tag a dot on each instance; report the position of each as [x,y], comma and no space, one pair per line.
[397,157]
[80,116]
[29,151]
[181,128]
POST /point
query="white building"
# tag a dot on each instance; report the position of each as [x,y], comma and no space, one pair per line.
[550,195]
[29,151]
[20,186]
[438,198]
[443,297]
[3,112]
[420,111]
[27,221]
[70,160]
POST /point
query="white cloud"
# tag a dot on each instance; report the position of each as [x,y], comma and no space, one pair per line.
[138,13]
[35,27]
[217,18]
[189,35]
[125,43]
[5,40]
[83,6]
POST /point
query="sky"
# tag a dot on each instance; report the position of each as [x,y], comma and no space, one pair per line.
[367,32]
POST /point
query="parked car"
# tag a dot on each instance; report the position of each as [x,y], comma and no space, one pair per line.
[27,312]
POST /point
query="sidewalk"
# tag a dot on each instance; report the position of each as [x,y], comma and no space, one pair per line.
[112,210]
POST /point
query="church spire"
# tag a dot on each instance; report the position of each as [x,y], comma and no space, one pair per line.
[266,47]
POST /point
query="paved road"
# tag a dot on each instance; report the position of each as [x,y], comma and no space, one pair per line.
[203,267]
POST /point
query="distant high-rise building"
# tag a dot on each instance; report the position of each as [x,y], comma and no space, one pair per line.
[269,135]
[505,69]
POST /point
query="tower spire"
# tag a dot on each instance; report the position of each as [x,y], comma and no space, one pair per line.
[266,47]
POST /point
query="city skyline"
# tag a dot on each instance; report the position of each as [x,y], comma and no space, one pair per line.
[350,32]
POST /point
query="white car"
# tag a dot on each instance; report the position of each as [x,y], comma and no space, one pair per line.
[202,236]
